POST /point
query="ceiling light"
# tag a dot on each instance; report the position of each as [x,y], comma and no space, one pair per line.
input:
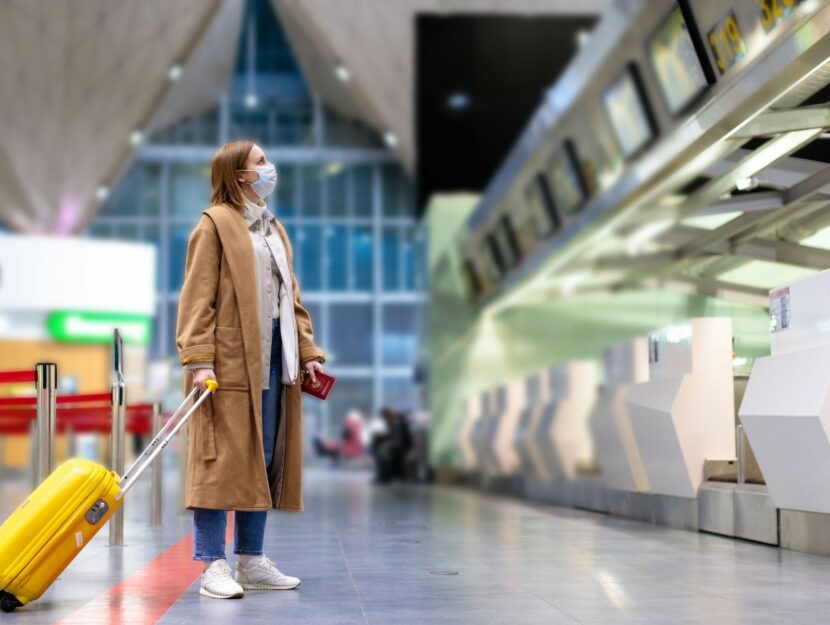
[334,168]
[175,72]
[136,137]
[390,139]
[746,184]
[458,101]
[251,100]
[582,37]
[342,72]
[102,193]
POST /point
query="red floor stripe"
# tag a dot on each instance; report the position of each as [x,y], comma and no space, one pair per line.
[144,597]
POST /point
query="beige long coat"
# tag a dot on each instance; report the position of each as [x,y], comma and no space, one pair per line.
[218,320]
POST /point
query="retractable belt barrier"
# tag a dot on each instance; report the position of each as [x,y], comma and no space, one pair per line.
[78,419]
[48,414]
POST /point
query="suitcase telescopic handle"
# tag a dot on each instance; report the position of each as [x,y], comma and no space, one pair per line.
[165,435]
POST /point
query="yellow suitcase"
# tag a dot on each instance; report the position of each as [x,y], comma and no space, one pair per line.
[47,531]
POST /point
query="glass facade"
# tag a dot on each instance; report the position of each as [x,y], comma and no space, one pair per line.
[347,206]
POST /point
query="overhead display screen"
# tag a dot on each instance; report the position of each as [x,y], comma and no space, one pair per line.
[676,63]
[567,187]
[626,110]
[726,42]
[473,284]
[541,211]
[773,12]
[488,254]
[506,245]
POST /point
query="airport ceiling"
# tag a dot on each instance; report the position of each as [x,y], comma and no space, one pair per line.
[374,41]
[83,82]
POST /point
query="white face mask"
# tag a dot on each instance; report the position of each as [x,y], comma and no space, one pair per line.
[267,180]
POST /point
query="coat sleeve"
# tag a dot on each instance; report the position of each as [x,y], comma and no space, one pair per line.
[305,330]
[196,318]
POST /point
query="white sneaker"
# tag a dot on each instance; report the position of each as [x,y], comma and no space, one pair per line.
[218,582]
[262,574]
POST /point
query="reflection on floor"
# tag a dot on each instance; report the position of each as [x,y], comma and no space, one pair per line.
[416,554]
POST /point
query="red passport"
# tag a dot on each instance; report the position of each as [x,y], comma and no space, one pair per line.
[319,389]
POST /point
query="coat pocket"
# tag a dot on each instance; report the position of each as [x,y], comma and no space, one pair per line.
[229,361]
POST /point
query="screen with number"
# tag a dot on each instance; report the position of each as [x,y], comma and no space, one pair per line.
[489,257]
[726,42]
[542,213]
[505,240]
[626,110]
[773,12]
[566,185]
[473,283]
[676,63]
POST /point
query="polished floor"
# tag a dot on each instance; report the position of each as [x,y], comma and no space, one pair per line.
[411,554]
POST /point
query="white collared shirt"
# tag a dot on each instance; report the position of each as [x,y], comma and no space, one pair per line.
[264,239]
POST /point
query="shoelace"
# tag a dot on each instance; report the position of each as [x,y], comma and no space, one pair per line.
[220,570]
[267,562]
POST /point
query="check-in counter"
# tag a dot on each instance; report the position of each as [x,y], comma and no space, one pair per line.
[562,435]
[616,449]
[466,446]
[479,434]
[513,399]
[786,407]
[684,414]
[486,428]
[537,397]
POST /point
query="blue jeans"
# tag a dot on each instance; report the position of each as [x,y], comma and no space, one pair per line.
[209,526]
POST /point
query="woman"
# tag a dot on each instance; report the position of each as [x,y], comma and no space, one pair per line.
[240,322]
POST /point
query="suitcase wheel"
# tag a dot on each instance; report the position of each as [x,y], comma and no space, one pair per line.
[8,603]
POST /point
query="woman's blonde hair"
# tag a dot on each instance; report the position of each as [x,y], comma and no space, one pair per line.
[225,187]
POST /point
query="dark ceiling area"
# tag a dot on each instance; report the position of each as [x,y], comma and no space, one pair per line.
[478,80]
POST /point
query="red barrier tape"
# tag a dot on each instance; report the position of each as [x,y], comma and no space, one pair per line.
[84,399]
[14,425]
[60,399]
[18,401]
[9,377]
[139,419]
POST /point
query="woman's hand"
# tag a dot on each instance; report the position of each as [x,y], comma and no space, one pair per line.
[200,376]
[312,367]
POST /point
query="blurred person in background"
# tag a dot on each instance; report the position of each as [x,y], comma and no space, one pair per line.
[390,446]
[350,444]
[241,323]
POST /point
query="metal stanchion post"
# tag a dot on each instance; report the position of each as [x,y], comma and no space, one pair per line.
[47,391]
[155,514]
[117,444]
[117,436]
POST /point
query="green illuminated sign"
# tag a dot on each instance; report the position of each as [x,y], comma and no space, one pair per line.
[69,326]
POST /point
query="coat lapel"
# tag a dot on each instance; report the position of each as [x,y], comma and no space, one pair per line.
[237,248]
